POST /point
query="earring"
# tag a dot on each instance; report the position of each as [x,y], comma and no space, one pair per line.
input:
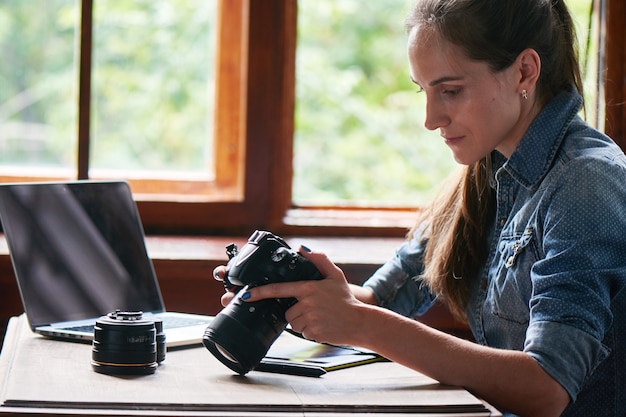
[525,94]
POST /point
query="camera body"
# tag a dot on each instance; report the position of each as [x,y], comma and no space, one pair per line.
[242,333]
[125,343]
[265,259]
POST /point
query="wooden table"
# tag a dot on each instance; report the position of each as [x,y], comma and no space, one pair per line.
[48,377]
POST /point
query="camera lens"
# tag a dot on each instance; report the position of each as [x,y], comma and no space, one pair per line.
[242,333]
[124,343]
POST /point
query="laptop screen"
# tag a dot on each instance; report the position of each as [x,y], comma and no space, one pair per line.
[78,250]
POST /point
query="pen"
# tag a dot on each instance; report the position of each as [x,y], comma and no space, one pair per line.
[299,369]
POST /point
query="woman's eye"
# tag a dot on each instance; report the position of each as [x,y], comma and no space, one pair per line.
[451,91]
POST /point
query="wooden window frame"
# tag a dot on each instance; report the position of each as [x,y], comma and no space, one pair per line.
[255,103]
[614,69]
[258,121]
[268,39]
[255,93]
[269,126]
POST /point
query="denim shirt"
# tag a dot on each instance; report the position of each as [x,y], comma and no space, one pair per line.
[554,282]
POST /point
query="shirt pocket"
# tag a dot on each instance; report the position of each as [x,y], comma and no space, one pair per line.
[511,287]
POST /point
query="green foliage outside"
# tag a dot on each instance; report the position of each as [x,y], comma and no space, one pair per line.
[37,82]
[152,84]
[359,121]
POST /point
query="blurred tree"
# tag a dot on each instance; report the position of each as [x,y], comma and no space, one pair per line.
[37,83]
[152,84]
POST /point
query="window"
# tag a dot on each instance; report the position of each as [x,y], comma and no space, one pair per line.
[148,89]
[249,182]
[152,89]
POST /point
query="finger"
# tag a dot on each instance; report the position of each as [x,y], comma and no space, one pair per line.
[326,267]
[276,290]
[226,298]
[219,273]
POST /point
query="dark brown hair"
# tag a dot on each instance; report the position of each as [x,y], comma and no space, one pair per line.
[495,32]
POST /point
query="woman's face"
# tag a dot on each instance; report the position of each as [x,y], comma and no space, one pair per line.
[475,109]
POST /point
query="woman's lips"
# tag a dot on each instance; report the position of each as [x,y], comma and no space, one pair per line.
[453,140]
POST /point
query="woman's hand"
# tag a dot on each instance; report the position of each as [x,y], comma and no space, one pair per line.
[326,311]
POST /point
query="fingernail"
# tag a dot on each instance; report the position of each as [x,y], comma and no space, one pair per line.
[305,248]
[246,296]
[216,275]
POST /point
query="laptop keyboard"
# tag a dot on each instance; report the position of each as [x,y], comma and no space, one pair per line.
[88,328]
[175,322]
[168,323]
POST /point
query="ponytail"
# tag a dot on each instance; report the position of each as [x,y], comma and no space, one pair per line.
[457,235]
[563,68]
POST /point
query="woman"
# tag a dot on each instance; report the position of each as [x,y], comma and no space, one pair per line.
[528,245]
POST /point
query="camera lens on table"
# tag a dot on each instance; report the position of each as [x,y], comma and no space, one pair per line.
[125,343]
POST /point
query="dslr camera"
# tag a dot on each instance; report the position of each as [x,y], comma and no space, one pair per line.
[242,333]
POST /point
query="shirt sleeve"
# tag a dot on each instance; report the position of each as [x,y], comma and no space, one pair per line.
[396,284]
[584,242]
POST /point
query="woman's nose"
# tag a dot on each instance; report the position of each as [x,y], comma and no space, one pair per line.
[435,115]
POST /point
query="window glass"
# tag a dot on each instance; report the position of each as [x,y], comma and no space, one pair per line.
[153,90]
[587,28]
[37,85]
[360,138]
[359,132]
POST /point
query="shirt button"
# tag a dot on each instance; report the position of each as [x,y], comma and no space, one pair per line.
[502,222]
[510,261]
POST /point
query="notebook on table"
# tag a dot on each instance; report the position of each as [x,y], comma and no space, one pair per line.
[78,252]
[293,354]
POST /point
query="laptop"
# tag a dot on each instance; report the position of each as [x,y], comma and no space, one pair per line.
[78,252]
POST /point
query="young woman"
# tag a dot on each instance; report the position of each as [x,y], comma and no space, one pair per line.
[528,245]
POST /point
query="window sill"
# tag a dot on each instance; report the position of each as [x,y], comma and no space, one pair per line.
[364,217]
[342,250]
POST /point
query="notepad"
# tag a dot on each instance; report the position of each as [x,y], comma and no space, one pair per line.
[290,351]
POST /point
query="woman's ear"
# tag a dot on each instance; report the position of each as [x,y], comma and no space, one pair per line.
[529,64]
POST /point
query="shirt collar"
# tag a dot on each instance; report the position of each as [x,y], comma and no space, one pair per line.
[535,153]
